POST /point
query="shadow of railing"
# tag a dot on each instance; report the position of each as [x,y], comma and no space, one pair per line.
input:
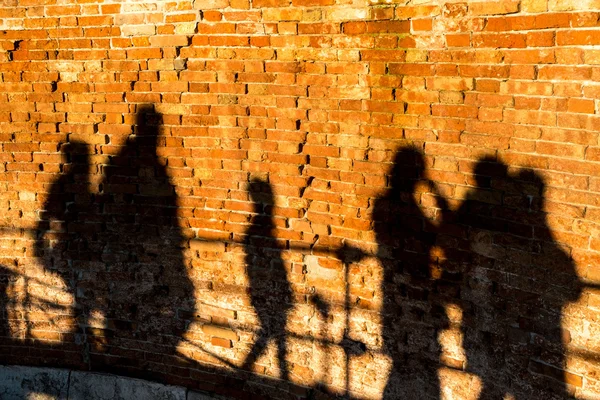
[351,347]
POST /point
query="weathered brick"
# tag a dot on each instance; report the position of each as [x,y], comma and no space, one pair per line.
[315,99]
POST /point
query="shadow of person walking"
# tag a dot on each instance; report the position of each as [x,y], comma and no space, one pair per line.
[412,316]
[516,283]
[65,233]
[269,288]
[148,285]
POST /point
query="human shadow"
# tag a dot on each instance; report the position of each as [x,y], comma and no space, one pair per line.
[119,250]
[148,289]
[411,314]
[269,289]
[516,282]
[64,233]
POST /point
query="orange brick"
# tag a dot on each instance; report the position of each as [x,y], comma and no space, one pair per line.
[577,37]
[496,7]
[507,40]
[458,40]
[217,341]
[581,106]
[212,15]
[540,39]
[422,24]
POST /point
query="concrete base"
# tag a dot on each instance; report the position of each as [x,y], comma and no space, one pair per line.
[32,383]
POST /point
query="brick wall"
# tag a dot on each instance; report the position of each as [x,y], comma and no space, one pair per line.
[363,198]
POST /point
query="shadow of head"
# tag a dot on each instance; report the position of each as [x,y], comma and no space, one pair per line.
[147,124]
[408,168]
[523,189]
[261,195]
[77,157]
[489,168]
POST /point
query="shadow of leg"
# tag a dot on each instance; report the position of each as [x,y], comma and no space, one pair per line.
[257,349]
[282,356]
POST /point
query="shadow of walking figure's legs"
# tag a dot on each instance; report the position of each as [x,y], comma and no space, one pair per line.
[270,291]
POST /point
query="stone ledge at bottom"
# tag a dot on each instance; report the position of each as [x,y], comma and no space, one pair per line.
[34,383]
